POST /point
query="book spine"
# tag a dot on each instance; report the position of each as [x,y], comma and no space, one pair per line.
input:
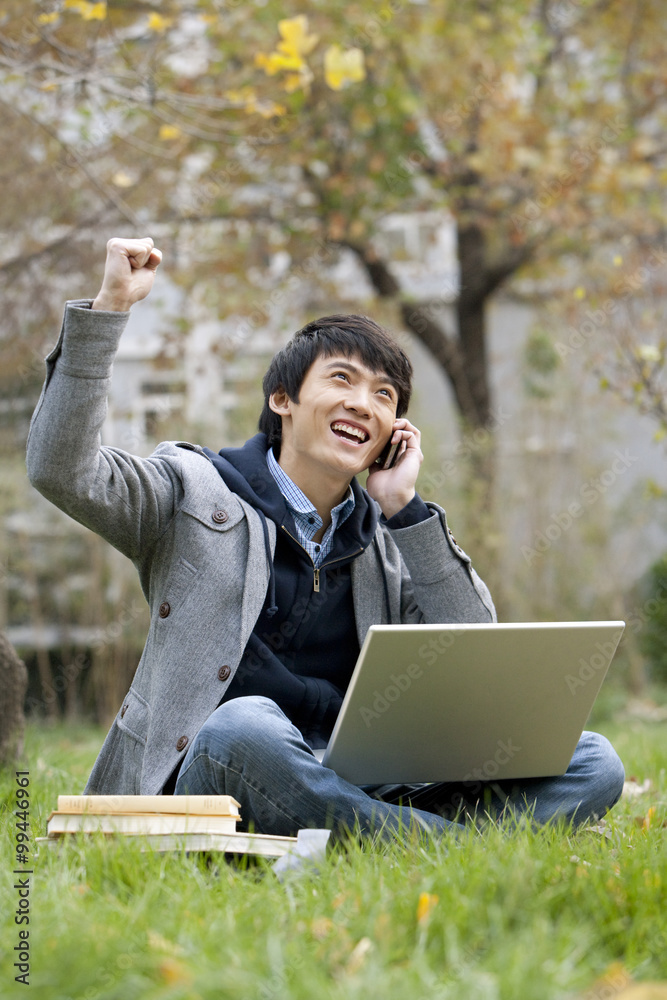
[137,824]
[200,805]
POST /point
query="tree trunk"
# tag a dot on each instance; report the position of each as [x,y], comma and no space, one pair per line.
[13,684]
[463,357]
[470,311]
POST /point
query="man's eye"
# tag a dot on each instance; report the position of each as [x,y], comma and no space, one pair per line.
[340,375]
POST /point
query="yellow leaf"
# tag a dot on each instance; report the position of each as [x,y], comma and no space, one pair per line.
[342,67]
[122,180]
[296,81]
[94,12]
[169,132]
[358,955]
[613,980]
[483,22]
[648,352]
[240,96]
[47,18]
[644,991]
[580,293]
[173,972]
[156,22]
[159,943]
[427,901]
[618,260]
[525,157]
[648,819]
[266,109]
[274,62]
[88,11]
[321,927]
[635,175]
[476,161]
[295,38]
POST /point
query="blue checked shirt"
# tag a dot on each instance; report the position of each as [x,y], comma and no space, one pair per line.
[308,522]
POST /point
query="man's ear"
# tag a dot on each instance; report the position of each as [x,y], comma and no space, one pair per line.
[280,403]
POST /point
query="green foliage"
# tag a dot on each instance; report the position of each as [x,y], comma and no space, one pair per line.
[535,915]
[653,633]
[540,361]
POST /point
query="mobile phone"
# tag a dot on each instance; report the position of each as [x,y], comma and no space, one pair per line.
[389,454]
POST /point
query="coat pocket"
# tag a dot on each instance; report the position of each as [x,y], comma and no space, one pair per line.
[134,717]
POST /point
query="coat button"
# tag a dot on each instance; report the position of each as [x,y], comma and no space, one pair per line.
[182,743]
[123,710]
[224,672]
[219,516]
[165,608]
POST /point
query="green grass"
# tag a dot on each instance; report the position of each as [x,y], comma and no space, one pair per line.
[524,915]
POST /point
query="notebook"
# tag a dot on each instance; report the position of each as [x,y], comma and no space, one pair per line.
[473,702]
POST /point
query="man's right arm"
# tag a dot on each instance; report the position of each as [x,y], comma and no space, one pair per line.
[125,499]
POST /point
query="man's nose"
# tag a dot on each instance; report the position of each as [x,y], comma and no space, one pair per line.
[360,399]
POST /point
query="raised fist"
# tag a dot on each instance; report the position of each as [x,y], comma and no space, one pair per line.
[128,273]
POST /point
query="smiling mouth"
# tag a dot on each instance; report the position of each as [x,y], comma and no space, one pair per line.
[348,432]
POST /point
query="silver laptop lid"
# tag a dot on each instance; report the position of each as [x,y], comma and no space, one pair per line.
[474,702]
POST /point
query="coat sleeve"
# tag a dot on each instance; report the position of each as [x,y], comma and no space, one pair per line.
[127,500]
[440,584]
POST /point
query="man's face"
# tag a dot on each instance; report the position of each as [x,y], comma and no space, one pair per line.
[344,418]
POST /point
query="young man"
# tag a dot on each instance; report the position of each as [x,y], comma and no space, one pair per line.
[264,566]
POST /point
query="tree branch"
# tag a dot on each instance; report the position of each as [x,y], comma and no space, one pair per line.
[446,351]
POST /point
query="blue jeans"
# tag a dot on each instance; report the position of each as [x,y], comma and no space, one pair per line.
[249,749]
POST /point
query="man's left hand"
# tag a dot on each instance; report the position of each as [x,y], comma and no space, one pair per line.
[394,488]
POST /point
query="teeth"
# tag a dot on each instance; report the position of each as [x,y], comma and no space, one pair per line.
[349,429]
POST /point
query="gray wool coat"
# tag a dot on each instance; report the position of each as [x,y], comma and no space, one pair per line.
[204,573]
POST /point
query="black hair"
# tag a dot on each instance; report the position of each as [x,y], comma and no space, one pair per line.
[347,335]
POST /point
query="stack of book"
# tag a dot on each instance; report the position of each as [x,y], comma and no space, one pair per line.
[165,822]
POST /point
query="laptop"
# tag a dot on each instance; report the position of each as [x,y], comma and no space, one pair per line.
[474,702]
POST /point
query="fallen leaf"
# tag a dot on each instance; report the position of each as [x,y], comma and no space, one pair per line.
[601,828]
[644,991]
[648,819]
[616,977]
[172,972]
[427,901]
[358,955]
[632,788]
[159,943]
[645,709]
[321,927]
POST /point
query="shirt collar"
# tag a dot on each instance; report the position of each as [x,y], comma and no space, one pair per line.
[297,499]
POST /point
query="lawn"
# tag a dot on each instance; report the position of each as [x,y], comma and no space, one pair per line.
[524,915]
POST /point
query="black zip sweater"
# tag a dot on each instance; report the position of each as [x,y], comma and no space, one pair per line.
[304,645]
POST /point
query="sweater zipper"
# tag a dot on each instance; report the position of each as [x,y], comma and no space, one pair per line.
[316,570]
